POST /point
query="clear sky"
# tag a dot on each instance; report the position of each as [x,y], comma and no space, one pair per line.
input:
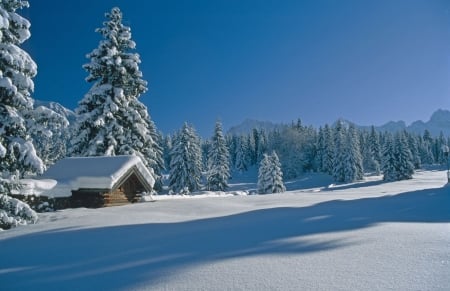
[366,61]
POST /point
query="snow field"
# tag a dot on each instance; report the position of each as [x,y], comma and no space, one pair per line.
[362,236]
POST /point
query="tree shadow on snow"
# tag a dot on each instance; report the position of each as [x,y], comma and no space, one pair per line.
[122,257]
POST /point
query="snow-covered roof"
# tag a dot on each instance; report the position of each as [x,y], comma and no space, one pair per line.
[93,173]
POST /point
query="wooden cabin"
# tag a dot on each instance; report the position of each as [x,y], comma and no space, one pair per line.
[100,181]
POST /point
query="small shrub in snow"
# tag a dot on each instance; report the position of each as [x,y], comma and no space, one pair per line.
[45,207]
[14,212]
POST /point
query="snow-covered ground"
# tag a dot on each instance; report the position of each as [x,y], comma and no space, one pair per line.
[364,236]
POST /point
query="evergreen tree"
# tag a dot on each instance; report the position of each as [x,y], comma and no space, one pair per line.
[321,145]
[414,148]
[425,153]
[251,150]
[262,145]
[270,177]
[403,158]
[353,167]
[111,119]
[327,160]
[185,162]
[241,161]
[397,159]
[218,162]
[155,158]
[441,141]
[374,150]
[389,162]
[17,151]
[50,133]
[339,158]
[232,141]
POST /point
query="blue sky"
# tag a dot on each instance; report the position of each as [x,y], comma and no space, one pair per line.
[366,61]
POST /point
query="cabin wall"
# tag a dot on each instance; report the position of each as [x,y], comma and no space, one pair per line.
[86,198]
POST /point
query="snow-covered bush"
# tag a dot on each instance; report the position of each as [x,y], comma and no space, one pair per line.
[14,212]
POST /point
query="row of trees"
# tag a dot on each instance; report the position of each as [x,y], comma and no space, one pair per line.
[343,151]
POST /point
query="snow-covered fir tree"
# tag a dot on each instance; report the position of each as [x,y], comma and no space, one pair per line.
[155,155]
[111,120]
[414,148]
[339,157]
[17,68]
[403,157]
[50,133]
[320,150]
[270,175]
[185,161]
[440,142]
[328,154]
[389,162]
[231,141]
[371,152]
[14,212]
[353,167]
[241,160]
[218,162]
[425,153]
[397,158]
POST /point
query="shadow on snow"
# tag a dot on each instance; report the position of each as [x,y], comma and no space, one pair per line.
[121,257]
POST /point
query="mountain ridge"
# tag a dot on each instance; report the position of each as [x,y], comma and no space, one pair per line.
[438,122]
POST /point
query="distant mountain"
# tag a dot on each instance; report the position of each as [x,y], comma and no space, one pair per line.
[58,108]
[439,122]
[249,124]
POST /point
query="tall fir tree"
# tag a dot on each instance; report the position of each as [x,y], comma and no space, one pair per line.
[185,162]
[320,150]
[270,176]
[17,152]
[353,167]
[241,160]
[389,162]
[397,158]
[373,150]
[339,157]
[218,162]
[414,148]
[441,141]
[426,156]
[403,157]
[111,119]
[327,160]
